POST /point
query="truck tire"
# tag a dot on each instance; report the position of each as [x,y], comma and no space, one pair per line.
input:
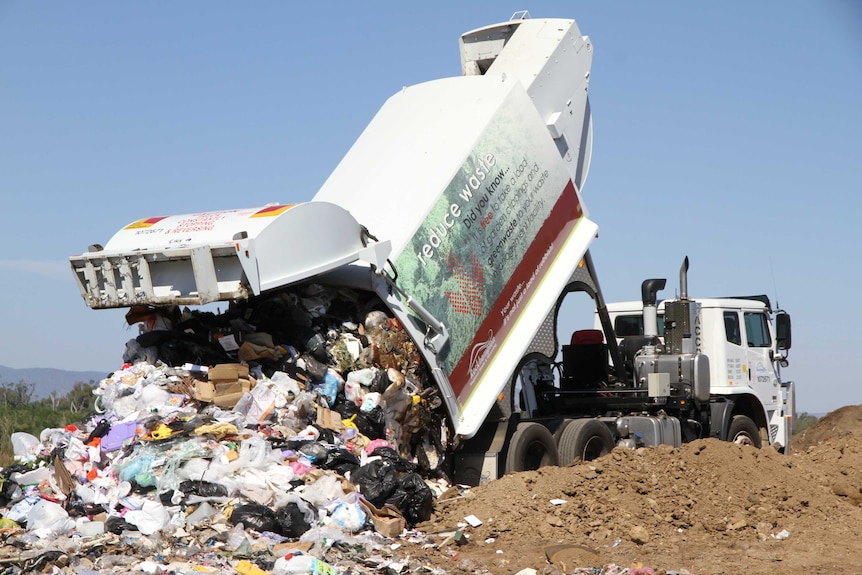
[559,431]
[744,431]
[584,440]
[532,447]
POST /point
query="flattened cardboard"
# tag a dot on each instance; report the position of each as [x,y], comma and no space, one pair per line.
[329,419]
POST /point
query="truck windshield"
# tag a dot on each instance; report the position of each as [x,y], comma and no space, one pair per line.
[757,330]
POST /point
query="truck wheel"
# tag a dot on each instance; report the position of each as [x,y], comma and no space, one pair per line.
[584,440]
[743,431]
[559,431]
[532,447]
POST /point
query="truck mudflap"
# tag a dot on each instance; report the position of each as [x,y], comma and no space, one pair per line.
[199,258]
[781,420]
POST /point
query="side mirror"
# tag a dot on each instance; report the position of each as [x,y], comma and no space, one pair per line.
[782,329]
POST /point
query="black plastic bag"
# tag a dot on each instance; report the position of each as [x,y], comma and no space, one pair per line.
[377,481]
[344,407]
[392,456]
[371,424]
[117,525]
[291,520]
[325,435]
[203,489]
[255,516]
[341,461]
[413,498]
[314,368]
[101,430]
[380,382]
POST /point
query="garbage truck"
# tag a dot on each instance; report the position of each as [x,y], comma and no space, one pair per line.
[459,214]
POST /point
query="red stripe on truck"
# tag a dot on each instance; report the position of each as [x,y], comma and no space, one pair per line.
[516,293]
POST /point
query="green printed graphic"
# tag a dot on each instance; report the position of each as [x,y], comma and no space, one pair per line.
[473,238]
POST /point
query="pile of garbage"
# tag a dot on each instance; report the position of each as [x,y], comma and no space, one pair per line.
[285,431]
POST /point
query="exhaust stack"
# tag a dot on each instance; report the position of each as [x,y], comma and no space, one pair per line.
[683,279]
[649,289]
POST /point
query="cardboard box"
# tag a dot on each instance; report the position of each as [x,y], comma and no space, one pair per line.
[224,394]
[227,372]
[387,520]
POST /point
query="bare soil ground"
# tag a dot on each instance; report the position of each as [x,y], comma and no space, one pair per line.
[709,507]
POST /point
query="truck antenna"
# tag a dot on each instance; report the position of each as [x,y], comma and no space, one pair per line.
[774,285]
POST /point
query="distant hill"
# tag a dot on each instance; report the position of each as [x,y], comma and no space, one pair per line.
[48,379]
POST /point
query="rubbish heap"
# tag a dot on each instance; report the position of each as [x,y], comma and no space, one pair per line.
[285,431]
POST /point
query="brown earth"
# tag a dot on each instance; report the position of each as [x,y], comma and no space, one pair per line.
[709,507]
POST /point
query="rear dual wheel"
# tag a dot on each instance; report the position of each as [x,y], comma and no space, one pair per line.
[532,447]
[584,440]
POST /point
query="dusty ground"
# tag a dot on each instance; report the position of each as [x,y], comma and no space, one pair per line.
[709,507]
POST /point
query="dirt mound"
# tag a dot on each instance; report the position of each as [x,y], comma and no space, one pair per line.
[707,507]
[843,422]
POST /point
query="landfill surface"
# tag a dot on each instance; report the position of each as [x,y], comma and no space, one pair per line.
[231,443]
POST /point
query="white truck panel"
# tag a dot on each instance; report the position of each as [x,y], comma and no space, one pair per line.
[489,230]
[552,60]
[194,259]
[416,143]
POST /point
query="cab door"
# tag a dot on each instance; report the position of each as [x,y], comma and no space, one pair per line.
[758,348]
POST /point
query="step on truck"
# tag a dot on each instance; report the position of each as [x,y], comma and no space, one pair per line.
[460,209]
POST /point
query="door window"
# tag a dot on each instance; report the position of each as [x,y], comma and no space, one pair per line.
[731,327]
[757,330]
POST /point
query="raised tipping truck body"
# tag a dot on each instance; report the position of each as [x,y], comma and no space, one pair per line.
[460,207]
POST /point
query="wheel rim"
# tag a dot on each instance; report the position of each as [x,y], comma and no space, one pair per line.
[743,438]
[535,456]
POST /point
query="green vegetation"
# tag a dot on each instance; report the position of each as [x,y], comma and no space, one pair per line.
[18,411]
[803,421]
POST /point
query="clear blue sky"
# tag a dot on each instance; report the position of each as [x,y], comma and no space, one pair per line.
[728,131]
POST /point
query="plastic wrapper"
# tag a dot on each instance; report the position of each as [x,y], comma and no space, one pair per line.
[327,488]
[256,405]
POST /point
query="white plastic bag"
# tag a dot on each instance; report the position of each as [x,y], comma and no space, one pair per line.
[152,517]
[25,446]
[47,518]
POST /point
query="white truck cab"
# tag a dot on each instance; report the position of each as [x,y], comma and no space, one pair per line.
[745,341]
